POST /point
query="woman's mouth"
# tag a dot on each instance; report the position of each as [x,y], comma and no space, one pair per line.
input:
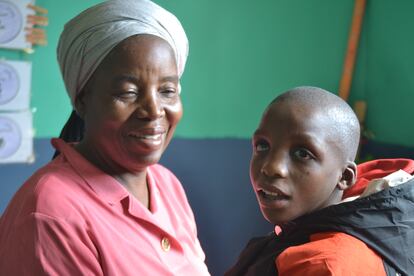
[150,138]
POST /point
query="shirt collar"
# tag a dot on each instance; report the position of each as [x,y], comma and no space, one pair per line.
[107,187]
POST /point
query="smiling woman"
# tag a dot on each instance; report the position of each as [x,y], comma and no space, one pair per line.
[103,203]
[131,107]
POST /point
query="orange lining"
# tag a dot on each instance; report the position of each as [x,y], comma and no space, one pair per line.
[331,253]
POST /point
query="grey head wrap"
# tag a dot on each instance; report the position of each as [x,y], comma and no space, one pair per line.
[90,36]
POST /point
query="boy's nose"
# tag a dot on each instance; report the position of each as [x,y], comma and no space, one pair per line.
[275,166]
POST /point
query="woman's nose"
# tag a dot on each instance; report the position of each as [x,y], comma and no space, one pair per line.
[275,166]
[150,106]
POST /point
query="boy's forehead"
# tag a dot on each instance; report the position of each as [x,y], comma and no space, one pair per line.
[297,102]
[299,118]
[316,110]
[298,125]
[292,109]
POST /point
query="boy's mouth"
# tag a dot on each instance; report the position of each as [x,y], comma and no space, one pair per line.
[271,195]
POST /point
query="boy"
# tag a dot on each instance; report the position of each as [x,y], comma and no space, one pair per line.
[303,161]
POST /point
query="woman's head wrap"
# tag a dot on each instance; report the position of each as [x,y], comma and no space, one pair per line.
[90,36]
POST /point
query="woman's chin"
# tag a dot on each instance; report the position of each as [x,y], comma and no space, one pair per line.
[141,161]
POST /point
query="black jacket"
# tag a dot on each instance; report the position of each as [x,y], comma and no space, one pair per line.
[384,221]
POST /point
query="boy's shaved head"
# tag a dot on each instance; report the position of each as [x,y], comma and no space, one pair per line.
[303,153]
[345,125]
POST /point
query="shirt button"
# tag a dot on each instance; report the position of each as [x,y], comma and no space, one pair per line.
[165,244]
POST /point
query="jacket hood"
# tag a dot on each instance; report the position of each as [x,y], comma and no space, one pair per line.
[377,169]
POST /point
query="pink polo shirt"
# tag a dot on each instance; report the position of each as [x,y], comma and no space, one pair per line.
[70,218]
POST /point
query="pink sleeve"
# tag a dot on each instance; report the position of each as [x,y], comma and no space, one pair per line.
[58,249]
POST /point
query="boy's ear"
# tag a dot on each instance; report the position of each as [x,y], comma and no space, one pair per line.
[349,175]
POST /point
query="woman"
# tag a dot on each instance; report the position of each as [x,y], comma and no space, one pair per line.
[104,205]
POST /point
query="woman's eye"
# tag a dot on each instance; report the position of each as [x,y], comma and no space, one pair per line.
[303,154]
[128,95]
[261,146]
[169,92]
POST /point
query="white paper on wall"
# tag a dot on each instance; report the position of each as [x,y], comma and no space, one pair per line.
[16,137]
[15,80]
[13,14]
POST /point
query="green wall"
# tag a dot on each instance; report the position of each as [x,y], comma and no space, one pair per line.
[384,76]
[243,53]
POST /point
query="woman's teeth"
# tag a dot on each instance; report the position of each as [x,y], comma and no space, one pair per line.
[151,137]
[148,137]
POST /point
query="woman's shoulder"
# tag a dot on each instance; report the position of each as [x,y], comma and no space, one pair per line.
[53,190]
[56,178]
[331,253]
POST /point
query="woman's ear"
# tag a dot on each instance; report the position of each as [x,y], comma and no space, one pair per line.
[349,175]
[83,97]
[80,105]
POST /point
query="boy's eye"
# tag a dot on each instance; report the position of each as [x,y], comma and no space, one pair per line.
[261,145]
[303,154]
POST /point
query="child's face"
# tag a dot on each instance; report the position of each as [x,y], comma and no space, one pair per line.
[296,164]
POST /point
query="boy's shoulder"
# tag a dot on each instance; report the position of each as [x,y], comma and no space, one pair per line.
[330,253]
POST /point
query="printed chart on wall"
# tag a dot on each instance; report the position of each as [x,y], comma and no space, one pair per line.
[13,16]
[16,126]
